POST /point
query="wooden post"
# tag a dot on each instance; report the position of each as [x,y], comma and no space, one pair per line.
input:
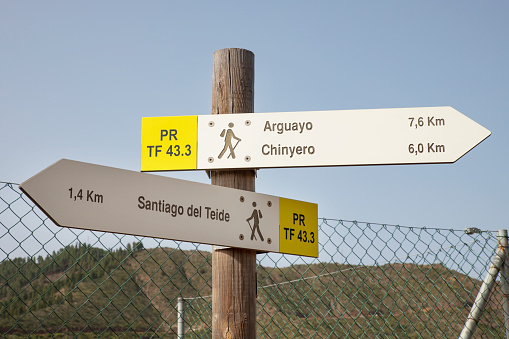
[233,269]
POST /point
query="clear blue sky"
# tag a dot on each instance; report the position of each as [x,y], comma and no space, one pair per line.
[77,77]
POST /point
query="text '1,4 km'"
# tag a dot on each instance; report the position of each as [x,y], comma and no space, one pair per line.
[85,195]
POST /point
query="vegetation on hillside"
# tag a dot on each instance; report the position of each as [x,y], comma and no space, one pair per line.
[83,291]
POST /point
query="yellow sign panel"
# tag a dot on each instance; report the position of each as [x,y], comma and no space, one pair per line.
[169,143]
[298,227]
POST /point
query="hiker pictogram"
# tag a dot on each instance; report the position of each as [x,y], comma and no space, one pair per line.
[255,216]
[228,136]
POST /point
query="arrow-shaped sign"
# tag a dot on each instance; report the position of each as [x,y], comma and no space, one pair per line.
[93,197]
[296,139]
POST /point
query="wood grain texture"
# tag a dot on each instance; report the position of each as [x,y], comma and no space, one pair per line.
[233,269]
[233,81]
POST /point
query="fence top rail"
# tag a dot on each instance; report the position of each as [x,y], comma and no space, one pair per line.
[355,222]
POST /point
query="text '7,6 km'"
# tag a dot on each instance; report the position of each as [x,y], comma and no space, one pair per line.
[431,122]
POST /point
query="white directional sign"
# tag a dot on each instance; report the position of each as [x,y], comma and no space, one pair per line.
[88,196]
[296,139]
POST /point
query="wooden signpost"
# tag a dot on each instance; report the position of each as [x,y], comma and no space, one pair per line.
[231,146]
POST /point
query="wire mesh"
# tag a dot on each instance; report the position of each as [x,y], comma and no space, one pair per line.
[370,280]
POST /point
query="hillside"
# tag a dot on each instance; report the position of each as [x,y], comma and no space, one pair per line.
[83,291]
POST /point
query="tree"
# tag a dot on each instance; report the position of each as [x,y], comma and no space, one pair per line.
[138,246]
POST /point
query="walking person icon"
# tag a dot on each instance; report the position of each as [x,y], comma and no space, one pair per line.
[228,141]
[255,216]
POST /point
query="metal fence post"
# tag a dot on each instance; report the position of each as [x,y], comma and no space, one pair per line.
[484,292]
[180,318]
[504,279]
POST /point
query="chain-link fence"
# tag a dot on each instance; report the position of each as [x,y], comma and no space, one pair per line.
[370,281]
